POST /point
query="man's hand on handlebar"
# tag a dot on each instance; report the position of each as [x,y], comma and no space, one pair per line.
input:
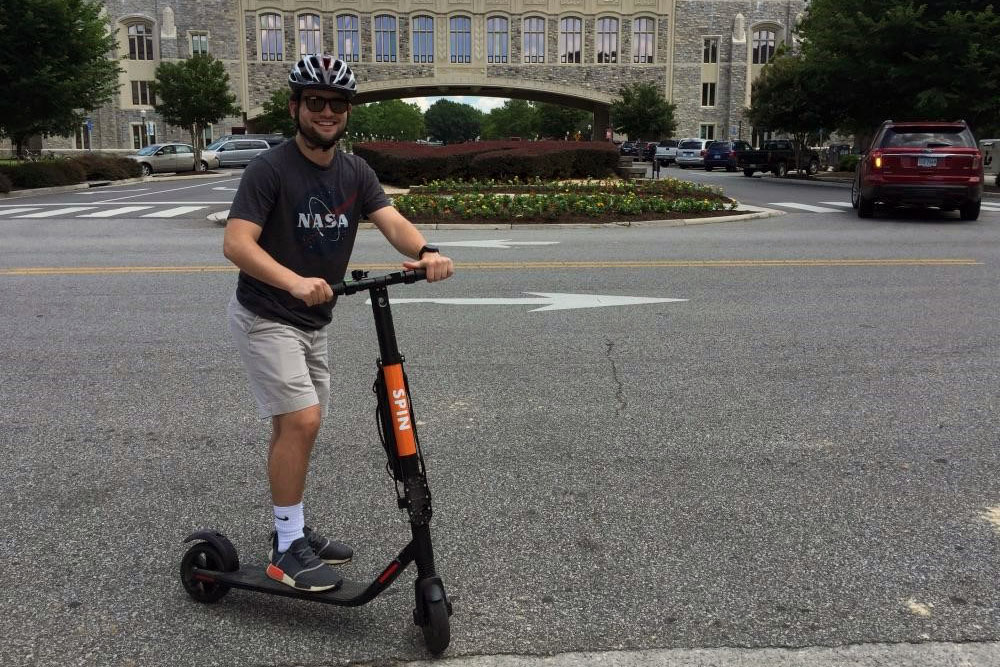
[313,291]
[438,266]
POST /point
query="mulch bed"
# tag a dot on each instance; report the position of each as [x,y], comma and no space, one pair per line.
[574,219]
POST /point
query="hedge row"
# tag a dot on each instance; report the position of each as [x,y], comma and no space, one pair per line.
[406,164]
[67,171]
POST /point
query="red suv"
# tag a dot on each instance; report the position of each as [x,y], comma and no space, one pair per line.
[925,163]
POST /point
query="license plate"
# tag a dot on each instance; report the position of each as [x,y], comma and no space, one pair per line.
[716,156]
[926,161]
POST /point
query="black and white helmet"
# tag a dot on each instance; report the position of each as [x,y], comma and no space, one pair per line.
[324,72]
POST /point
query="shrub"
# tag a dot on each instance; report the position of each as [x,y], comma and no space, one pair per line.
[848,162]
[47,173]
[110,167]
[5,184]
[407,164]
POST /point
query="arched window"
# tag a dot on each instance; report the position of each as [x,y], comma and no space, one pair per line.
[607,40]
[460,33]
[385,39]
[643,33]
[534,40]
[271,39]
[497,39]
[763,46]
[570,39]
[423,39]
[310,40]
[140,41]
[348,46]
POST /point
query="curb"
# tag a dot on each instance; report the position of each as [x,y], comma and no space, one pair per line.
[747,213]
[32,192]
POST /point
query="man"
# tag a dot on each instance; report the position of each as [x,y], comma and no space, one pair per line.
[291,230]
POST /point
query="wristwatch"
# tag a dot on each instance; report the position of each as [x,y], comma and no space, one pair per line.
[427,248]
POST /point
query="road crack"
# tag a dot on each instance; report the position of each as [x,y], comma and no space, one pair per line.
[621,403]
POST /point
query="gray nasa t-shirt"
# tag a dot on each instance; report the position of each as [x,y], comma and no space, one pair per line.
[309,215]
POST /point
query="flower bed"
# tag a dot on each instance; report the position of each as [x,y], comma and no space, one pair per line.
[559,208]
[405,164]
[662,187]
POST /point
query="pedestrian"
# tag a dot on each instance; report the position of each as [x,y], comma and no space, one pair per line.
[656,168]
[291,230]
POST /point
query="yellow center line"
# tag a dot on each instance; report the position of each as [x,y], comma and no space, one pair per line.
[487,266]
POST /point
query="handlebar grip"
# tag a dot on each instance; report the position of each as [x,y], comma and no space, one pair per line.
[346,288]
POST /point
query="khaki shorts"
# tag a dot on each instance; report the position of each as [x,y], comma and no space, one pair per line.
[288,368]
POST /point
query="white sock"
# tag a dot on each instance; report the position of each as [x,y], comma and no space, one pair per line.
[288,521]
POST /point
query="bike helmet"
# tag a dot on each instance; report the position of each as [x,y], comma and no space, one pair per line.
[324,72]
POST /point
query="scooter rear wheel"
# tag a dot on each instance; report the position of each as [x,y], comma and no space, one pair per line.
[436,626]
[206,557]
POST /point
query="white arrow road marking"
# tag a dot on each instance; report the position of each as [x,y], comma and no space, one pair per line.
[226,189]
[495,243]
[989,207]
[12,211]
[805,207]
[547,301]
[115,211]
[845,204]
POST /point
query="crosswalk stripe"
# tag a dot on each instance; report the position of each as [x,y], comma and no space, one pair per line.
[845,204]
[115,211]
[991,208]
[806,207]
[173,212]
[58,211]
[12,211]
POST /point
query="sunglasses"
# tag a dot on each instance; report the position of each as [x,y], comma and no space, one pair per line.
[316,104]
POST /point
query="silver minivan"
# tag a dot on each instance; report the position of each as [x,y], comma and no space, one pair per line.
[691,153]
[232,152]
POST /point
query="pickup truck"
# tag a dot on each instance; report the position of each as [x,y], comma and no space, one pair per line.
[778,157]
[666,152]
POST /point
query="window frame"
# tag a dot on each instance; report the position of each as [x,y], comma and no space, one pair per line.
[382,36]
[299,30]
[278,41]
[705,129]
[650,58]
[564,33]
[710,50]
[141,89]
[758,44]
[709,90]
[601,35]
[197,34]
[141,126]
[460,38]
[133,40]
[533,59]
[420,37]
[493,40]
[345,33]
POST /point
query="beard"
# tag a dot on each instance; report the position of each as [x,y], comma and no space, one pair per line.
[313,138]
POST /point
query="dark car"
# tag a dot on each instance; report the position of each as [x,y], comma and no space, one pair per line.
[648,150]
[922,164]
[723,154]
[629,148]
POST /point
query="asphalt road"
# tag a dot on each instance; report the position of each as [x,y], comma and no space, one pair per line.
[801,454]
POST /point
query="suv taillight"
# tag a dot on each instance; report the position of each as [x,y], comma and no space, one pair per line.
[703,151]
[977,161]
[876,159]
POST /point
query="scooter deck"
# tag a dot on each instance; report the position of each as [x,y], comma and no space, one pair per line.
[253,577]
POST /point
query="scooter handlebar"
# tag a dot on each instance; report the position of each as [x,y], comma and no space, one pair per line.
[363,283]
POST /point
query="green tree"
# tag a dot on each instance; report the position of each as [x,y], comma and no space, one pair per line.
[557,121]
[50,84]
[392,119]
[516,118]
[276,117]
[905,60]
[643,113]
[194,93]
[785,99]
[452,122]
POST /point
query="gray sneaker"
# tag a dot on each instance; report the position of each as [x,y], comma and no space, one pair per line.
[300,568]
[329,551]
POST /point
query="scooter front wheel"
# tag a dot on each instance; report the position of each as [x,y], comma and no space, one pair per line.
[203,556]
[436,627]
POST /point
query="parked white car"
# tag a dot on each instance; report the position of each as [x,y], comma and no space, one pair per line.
[691,153]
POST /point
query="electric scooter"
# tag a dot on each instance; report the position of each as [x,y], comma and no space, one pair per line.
[211,565]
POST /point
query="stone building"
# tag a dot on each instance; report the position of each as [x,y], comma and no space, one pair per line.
[702,54]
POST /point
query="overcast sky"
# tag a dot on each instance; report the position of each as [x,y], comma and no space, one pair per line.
[484,104]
